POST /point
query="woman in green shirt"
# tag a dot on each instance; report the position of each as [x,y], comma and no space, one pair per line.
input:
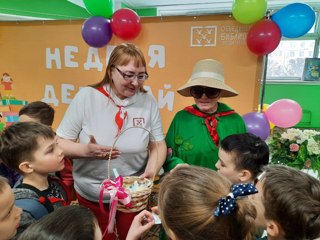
[195,132]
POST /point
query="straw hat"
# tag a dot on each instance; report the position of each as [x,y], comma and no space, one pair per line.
[208,73]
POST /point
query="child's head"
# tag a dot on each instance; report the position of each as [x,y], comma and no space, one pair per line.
[188,198]
[242,157]
[70,222]
[37,112]
[31,147]
[9,213]
[290,203]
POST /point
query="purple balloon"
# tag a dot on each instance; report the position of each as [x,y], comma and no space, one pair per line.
[257,124]
[96,31]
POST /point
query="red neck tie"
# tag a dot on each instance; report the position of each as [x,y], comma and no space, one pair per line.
[121,115]
[210,121]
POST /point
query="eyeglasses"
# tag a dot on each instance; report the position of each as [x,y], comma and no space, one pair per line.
[198,91]
[130,76]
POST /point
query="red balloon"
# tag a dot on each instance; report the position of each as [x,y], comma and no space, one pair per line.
[125,24]
[263,37]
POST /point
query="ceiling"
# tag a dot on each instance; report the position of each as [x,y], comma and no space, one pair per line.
[196,7]
[17,10]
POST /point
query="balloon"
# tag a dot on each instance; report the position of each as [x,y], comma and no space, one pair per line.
[284,113]
[125,24]
[257,124]
[96,31]
[294,19]
[264,109]
[249,11]
[101,8]
[263,37]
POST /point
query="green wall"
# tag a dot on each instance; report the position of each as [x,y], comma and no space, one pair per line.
[52,9]
[307,95]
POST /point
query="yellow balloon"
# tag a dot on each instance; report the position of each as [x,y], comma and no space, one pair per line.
[264,107]
[271,125]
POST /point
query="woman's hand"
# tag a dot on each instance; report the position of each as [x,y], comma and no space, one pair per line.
[95,150]
[90,150]
[148,175]
[141,223]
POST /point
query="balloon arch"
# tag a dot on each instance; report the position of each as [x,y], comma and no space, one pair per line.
[264,36]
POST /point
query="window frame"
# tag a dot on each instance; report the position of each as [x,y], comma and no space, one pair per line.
[309,36]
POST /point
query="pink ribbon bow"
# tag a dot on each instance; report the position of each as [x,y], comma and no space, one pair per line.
[117,193]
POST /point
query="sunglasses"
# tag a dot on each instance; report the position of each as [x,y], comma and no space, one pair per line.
[198,91]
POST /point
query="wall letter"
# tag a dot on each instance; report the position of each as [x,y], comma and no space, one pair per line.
[109,50]
[53,57]
[168,99]
[65,93]
[93,54]
[50,95]
[68,56]
[157,54]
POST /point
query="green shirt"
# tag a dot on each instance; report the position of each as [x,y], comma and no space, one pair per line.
[190,140]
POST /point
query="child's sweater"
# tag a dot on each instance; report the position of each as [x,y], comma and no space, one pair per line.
[54,193]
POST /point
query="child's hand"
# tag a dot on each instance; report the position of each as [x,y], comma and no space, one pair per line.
[155,209]
[141,223]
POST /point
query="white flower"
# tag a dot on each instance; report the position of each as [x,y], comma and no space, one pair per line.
[307,135]
[313,147]
[291,134]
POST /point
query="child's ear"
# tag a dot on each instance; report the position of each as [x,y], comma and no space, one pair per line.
[26,167]
[273,229]
[245,176]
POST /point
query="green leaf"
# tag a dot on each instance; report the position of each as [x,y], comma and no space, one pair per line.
[187,146]
[178,140]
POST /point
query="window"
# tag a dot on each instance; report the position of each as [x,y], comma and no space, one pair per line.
[286,63]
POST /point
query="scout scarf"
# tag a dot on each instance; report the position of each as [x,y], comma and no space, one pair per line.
[121,115]
[210,121]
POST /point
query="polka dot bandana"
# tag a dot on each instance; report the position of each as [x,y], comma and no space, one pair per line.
[228,204]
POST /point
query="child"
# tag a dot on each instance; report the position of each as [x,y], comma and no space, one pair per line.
[242,157]
[33,112]
[199,203]
[37,112]
[31,148]
[42,112]
[81,224]
[9,213]
[289,203]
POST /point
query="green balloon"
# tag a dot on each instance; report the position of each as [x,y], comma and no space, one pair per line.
[249,11]
[99,8]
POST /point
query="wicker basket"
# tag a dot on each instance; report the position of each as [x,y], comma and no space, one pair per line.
[139,198]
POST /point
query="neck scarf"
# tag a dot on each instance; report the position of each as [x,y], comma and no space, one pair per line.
[121,115]
[210,121]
